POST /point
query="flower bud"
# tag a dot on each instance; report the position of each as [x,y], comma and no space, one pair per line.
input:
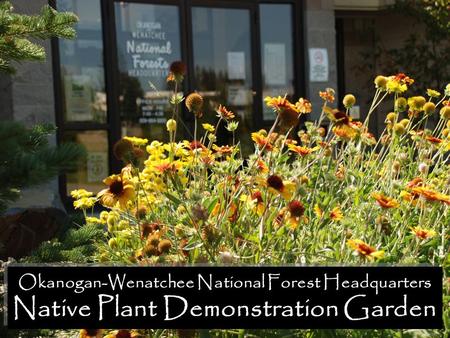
[391,117]
[194,102]
[429,108]
[380,82]
[423,168]
[171,125]
[445,113]
[399,129]
[400,104]
[349,100]
[404,122]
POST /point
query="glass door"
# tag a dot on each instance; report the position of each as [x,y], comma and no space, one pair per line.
[148,41]
[223,60]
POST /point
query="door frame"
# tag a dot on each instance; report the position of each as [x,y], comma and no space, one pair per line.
[252,7]
[113,126]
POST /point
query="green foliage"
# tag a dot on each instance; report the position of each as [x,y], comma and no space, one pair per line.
[16,30]
[425,56]
[75,246]
[28,160]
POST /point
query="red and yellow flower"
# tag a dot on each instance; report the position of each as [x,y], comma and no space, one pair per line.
[385,201]
[364,249]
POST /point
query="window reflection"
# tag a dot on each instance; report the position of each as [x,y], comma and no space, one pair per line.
[94,169]
[222,61]
[276,52]
[82,72]
[148,41]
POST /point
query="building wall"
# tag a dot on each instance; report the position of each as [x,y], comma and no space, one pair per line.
[30,99]
[362,33]
[319,29]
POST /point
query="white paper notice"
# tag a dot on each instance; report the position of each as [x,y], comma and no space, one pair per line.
[236,65]
[97,166]
[275,64]
[318,65]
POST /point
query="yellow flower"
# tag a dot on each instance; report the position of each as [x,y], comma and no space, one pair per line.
[171,125]
[288,113]
[136,141]
[277,185]
[84,203]
[416,103]
[95,220]
[423,233]
[394,86]
[208,127]
[327,95]
[318,211]
[120,189]
[433,93]
[431,195]
[336,214]
[384,201]
[303,106]
[365,249]
[302,151]
[80,193]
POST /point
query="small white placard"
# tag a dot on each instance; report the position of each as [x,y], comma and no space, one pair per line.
[97,166]
[275,64]
[236,65]
[318,65]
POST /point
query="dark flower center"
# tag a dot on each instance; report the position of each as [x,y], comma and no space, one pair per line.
[296,208]
[116,187]
[275,182]
[123,334]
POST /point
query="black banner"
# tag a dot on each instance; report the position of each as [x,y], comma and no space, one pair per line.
[224,297]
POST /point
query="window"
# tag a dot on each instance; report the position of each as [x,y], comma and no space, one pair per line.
[111,80]
[148,41]
[276,52]
[83,93]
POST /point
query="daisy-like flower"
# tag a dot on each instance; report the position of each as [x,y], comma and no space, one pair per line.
[295,214]
[208,127]
[302,151]
[224,113]
[276,184]
[303,106]
[336,214]
[261,166]
[263,142]
[80,193]
[84,203]
[433,93]
[327,95]
[364,249]
[343,126]
[166,166]
[223,150]
[398,83]
[431,195]
[288,113]
[318,211]
[120,190]
[255,201]
[384,201]
[423,233]
[136,141]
